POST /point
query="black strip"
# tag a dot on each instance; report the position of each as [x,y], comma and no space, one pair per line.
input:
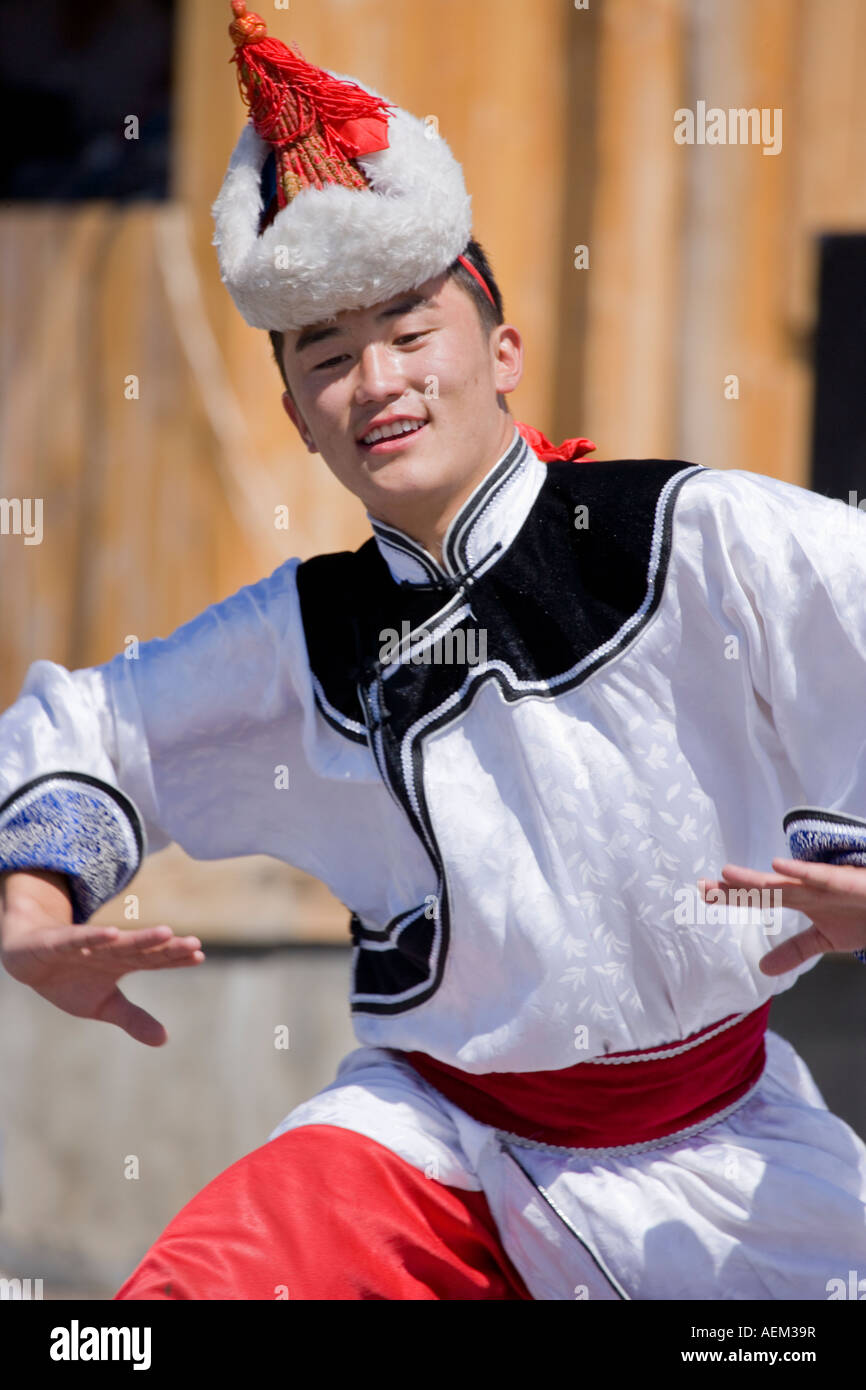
[572,1230]
[361,933]
[122,801]
[831,817]
[398,540]
[453,602]
[354,735]
[457,540]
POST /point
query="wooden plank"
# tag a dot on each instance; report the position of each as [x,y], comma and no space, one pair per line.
[633,284]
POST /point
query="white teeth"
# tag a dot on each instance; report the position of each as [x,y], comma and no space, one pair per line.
[390,431]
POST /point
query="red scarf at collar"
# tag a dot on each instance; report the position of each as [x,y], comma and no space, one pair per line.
[567,451]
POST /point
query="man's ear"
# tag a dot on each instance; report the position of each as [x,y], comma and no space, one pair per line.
[507,348]
[298,421]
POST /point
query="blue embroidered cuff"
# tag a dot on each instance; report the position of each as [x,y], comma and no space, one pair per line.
[825,837]
[75,825]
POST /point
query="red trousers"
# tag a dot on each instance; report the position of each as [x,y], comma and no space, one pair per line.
[324,1213]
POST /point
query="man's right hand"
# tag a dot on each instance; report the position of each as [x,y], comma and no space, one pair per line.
[77,967]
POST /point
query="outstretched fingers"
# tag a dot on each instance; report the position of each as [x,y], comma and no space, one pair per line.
[182,950]
[737,875]
[845,883]
[800,893]
[151,948]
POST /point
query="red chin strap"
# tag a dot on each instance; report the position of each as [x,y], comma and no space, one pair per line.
[480,278]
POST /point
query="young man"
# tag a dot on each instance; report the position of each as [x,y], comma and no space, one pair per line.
[520,721]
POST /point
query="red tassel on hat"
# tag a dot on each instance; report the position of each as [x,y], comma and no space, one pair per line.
[316,123]
[568,451]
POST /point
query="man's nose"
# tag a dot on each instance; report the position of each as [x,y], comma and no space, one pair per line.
[380,372]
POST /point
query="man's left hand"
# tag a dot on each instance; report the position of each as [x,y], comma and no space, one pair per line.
[833,896]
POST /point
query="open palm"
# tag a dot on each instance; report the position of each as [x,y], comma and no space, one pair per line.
[77,968]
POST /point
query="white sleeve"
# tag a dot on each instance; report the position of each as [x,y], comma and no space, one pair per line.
[788,567]
[795,564]
[179,741]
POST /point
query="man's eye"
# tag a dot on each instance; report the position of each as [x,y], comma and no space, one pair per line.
[332,361]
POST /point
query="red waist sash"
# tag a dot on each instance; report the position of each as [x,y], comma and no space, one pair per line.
[621,1099]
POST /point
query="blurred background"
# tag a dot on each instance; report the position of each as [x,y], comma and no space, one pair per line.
[695,301]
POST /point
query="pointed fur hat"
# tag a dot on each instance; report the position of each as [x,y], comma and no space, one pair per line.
[334,198]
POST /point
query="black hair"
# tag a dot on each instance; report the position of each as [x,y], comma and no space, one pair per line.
[489,315]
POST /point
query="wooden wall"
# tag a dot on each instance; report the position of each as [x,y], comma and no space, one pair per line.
[702,264]
[704,257]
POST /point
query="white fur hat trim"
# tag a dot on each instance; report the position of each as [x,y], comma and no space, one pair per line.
[337,248]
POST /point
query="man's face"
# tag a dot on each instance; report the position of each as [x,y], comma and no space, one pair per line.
[422,356]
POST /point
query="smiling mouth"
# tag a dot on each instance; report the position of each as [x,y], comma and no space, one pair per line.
[391,437]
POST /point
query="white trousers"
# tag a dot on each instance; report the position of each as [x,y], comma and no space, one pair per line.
[767,1203]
